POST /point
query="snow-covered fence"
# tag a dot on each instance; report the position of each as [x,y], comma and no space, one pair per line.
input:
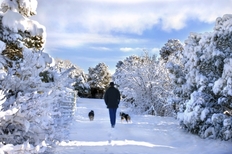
[68,104]
[66,108]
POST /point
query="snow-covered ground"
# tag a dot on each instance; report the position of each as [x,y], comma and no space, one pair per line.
[144,135]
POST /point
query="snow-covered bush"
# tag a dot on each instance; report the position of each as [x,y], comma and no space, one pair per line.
[143,81]
[31,114]
[171,55]
[31,110]
[78,76]
[207,61]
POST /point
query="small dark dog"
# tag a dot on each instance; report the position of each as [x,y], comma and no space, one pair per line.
[91,115]
[125,116]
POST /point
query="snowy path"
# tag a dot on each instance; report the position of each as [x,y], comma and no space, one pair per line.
[145,135]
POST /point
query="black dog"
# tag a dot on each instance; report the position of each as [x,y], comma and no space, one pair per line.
[125,116]
[91,115]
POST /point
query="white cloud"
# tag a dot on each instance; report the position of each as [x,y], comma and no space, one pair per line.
[131,16]
[126,49]
[72,40]
[101,48]
[76,23]
[101,24]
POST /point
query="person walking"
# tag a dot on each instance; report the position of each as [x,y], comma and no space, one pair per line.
[112,100]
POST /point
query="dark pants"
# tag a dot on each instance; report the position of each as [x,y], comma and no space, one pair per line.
[112,112]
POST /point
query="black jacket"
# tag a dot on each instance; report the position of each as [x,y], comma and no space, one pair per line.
[112,97]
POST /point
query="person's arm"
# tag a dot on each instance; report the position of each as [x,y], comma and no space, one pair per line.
[105,98]
[119,97]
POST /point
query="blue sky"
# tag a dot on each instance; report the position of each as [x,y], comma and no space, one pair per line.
[88,32]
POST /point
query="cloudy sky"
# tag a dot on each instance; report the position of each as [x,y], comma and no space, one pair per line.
[88,32]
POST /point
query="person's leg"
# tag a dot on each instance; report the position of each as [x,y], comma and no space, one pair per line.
[111,116]
[114,110]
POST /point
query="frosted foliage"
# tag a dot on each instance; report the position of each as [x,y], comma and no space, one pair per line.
[24,7]
[171,47]
[143,83]
[207,91]
[17,30]
[35,110]
[3,71]
[77,75]
[32,111]
[26,73]
[16,22]
[171,54]
[99,77]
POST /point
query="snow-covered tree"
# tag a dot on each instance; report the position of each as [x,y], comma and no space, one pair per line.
[143,81]
[19,29]
[99,78]
[171,54]
[77,75]
[31,114]
[207,62]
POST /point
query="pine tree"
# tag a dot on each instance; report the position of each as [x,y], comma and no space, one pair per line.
[99,78]
[172,54]
[31,90]
[207,90]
